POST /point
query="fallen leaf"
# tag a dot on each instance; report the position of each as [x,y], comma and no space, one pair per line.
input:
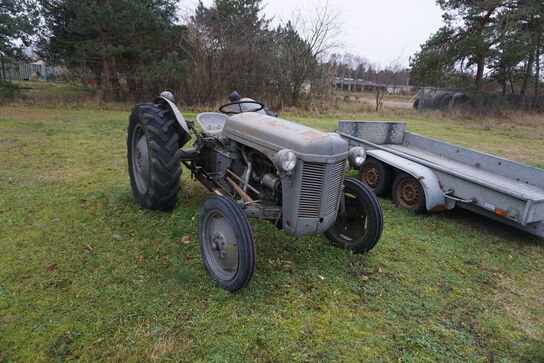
[158,231]
[53,267]
[87,248]
[56,220]
[185,240]
[140,258]
[364,277]
[117,237]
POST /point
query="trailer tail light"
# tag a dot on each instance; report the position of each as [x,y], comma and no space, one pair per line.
[500,212]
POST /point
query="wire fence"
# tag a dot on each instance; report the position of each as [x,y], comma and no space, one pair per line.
[30,71]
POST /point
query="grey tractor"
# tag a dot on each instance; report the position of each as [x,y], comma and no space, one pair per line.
[257,166]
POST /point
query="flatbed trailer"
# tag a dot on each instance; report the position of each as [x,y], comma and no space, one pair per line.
[425,174]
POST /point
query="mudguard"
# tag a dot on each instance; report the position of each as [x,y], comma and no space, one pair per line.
[180,119]
[176,111]
[434,196]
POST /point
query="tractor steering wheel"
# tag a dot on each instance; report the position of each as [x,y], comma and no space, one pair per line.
[224,108]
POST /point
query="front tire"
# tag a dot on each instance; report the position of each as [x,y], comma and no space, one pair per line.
[359,227]
[226,242]
[153,156]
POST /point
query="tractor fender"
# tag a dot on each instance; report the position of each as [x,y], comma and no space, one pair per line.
[434,196]
[176,111]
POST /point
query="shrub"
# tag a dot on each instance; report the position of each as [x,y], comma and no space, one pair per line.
[9,90]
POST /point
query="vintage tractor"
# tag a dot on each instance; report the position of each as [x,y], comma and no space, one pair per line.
[258,166]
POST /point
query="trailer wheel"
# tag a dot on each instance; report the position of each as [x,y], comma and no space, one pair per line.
[408,193]
[153,159]
[226,242]
[359,226]
[376,175]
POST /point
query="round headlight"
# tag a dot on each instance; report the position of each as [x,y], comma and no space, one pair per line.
[356,156]
[285,160]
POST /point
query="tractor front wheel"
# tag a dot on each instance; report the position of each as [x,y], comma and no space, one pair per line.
[359,222]
[226,242]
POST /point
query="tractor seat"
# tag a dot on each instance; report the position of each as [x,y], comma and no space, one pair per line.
[212,122]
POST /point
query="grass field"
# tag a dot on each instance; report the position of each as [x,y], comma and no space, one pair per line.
[85,273]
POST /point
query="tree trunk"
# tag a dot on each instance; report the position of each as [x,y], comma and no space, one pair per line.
[537,65]
[527,75]
[480,70]
[512,85]
[106,70]
[3,69]
[106,83]
[529,68]
[295,95]
[115,82]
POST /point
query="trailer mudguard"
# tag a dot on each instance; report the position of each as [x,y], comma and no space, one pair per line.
[434,196]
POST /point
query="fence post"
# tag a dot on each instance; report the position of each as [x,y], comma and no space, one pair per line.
[44,71]
[421,98]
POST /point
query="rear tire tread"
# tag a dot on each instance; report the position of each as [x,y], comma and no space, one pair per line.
[162,140]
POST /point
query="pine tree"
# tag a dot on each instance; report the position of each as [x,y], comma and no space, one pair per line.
[18,19]
[116,39]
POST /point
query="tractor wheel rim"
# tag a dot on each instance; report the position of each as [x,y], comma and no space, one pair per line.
[220,247]
[353,223]
[371,176]
[408,193]
[140,159]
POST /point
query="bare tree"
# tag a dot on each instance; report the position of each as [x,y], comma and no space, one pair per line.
[303,44]
[384,78]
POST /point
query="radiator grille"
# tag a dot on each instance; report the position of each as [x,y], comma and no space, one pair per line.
[312,186]
[335,185]
[313,181]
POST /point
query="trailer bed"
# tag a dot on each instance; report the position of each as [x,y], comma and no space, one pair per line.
[508,185]
[451,175]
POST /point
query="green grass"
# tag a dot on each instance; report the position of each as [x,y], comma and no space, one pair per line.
[85,273]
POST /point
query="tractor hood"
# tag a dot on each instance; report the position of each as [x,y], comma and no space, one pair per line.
[271,134]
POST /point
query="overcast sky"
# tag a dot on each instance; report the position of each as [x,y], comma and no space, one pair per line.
[382,31]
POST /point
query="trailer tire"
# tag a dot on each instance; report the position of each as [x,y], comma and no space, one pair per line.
[153,156]
[376,175]
[408,193]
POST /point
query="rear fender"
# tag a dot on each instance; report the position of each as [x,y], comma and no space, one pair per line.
[434,196]
[179,117]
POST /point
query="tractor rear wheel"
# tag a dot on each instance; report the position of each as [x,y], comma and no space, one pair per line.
[153,156]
